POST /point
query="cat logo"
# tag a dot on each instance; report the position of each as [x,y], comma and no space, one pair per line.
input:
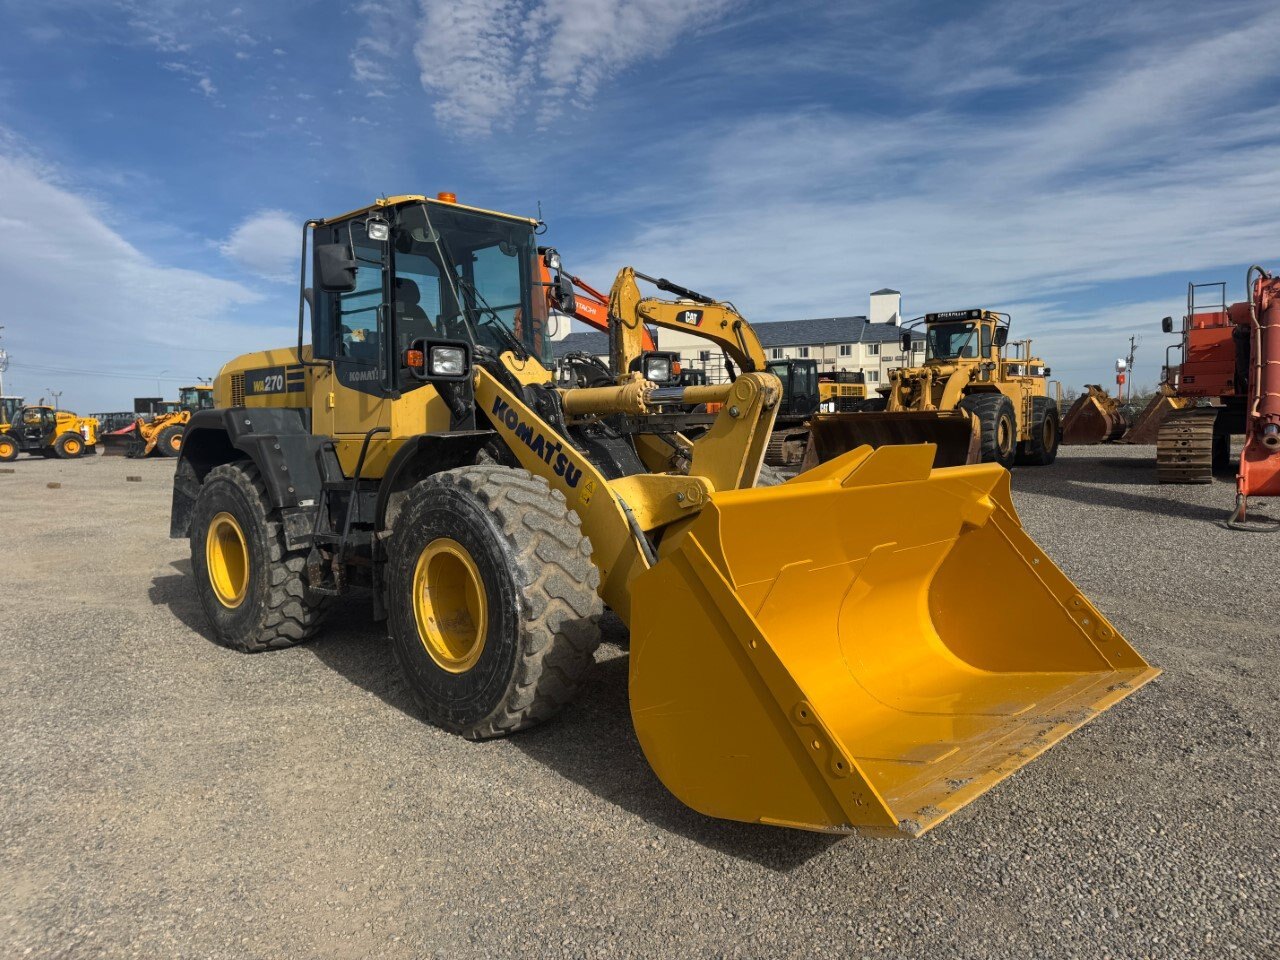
[692,317]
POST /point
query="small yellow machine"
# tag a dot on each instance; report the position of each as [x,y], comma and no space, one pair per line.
[806,655]
[840,396]
[45,431]
[974,401]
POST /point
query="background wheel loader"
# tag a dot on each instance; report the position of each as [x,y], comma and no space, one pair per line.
[807,655]
[45,431]
[970,399]
[163,430]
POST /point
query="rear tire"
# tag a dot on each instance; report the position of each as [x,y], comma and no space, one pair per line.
[169,443]
[499,635]
[997,426]
[8,448]
[68,446]
[1046,434]
[261,600]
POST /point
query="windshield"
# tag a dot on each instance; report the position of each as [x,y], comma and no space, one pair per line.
[466,273]
[948,341]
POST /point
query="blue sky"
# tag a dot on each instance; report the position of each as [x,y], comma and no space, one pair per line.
[1073,163]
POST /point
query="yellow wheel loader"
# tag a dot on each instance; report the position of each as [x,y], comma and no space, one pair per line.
[807,655]
[47,432]
[973,401]
[162,432]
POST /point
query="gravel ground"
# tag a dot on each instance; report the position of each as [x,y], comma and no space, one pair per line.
[165,797]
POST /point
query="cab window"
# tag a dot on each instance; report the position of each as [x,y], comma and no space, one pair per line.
[356,314]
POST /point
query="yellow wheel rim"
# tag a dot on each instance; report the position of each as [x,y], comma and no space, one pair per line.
[72,447]
[450,605]
[1004,436]
[6,449]
[1050,435]
[176,441]
[227,557]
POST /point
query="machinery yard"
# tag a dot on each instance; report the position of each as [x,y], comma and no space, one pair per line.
[167,796]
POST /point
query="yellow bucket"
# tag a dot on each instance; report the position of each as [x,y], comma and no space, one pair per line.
[869,646]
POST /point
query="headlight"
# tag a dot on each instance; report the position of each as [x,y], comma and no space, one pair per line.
[447,362]
[552,259]
[657,369]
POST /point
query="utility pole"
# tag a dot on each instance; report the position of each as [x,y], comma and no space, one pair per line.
[55,394]
[4,365]
[1133,345]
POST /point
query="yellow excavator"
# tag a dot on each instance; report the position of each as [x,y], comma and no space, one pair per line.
[815,654]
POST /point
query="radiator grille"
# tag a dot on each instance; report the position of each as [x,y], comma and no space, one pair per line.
[237,389]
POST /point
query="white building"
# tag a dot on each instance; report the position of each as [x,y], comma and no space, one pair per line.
[836,343]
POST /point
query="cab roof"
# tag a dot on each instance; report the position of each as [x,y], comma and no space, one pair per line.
[383,203]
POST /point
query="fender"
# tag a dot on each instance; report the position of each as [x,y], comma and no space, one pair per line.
[418,458]
[277,440]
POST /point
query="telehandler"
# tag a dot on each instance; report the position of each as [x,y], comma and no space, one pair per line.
[973,401]
[807,655]
[48,432]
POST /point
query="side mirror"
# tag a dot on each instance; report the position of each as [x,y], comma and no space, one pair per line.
[1166,325]
[566,299]
[335,268]
[1001,337]
[905,343]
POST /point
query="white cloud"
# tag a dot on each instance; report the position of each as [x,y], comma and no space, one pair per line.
[267,245]
[487,62]
[1152,165]
[78,295]
[206,87]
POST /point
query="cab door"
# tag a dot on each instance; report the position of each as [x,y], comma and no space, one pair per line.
[357,396]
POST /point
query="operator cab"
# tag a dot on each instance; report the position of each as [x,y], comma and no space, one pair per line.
[799,386]
[958,335]
[409,288]
[195,398]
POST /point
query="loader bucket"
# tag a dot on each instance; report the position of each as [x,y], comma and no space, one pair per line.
[869,646]
[118,443]
[1146,425]
[953,432]
[1093,418]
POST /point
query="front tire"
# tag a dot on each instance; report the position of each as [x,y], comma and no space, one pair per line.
[169,443]
[492,601]
[252,589]
[8,448]
[68,446]
[1046,433]
[997,426]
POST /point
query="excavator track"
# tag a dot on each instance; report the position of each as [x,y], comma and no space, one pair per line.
[1184,446]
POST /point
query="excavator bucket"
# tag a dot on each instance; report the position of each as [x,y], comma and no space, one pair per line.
[867,647]
[954,433]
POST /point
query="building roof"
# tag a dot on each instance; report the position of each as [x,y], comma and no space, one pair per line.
[876,293]
[790,333]
[594,342]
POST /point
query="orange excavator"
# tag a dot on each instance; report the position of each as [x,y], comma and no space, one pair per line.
[1230,356]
